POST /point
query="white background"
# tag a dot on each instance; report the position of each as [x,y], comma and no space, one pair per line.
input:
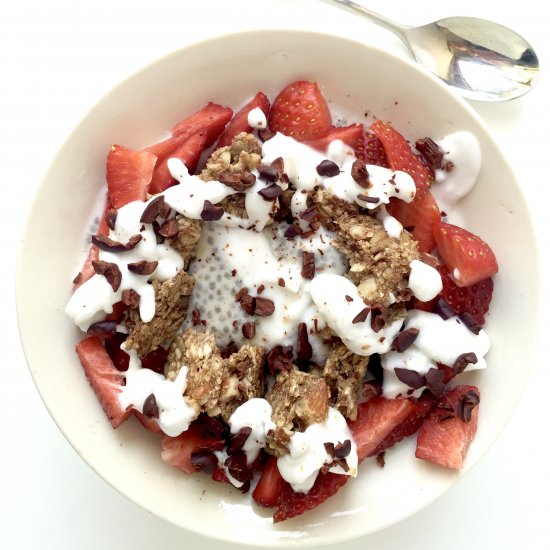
[57,58]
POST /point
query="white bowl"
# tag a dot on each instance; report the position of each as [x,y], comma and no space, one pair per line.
[229,69]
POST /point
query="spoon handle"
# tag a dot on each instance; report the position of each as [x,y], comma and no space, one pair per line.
[396,28]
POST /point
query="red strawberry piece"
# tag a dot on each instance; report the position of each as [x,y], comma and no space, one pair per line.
[270,485]
[293,504]
[219,475]
[87,271]
[177,451]
[381,423]
[118,311]
[148,423]
[465,252]
[401,157]
[474,299]
[155,360]
[188,151]
[444,438]
[210,120]
[300,111]
[420,214]
[128,175]
[370,149]
[240,120]
[104,378]
[350,135]
[119,357]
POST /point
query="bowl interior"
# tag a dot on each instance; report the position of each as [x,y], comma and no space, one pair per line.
[357,79]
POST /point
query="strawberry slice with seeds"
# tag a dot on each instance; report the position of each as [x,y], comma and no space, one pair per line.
[148,423]
[300,111]
[381,423]
[128,175]
[474,299]
[210,120]
[105,379]
[240,120]
[401,157]
[370,149]
[270,486]
[178,451]
[420,214]
[469,258]
[188,151]
[350,135]
[291,504]
[445,436]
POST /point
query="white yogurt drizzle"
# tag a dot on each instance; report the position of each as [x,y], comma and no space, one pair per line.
[439,341]
[256,119]
[424,281]
[463,150]
[175,413]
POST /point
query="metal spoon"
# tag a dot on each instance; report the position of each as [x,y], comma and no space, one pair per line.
[478,58]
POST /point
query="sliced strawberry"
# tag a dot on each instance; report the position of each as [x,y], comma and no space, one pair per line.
[401,157]
[293,504]
[270,485]
[445,438]
[300,111]
[474,299]
[381,423]
[188,151]
[240,120]
[177,451]
[120,358]
[469,258]
[155,360]
[149,423]
[210,120]
[128,174]
[87,271]
[104,378]
[420,214]
[350,135]
[370,149]
[219,475]
[118,311]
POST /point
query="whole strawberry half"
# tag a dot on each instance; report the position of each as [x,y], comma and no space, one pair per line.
[300,111]
[400,156]
[468,258]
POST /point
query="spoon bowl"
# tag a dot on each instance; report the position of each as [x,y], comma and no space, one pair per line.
[479,59]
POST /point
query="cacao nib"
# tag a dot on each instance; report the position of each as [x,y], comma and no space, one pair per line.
[212,426]
[248,303]
[378,318]
[279,359]
[360,174]
[238,467]
[380,459]
[130,297]
[110,218]
[462,361]
[366,198]
[430,150]
[292,231]
[110,271]
[150,407]
[264,307]
[109,245]
[404,340]
[271,192]
[435,380]
[239,181]
[308,265]
[229,350]
[157,207]
[143,267]
[444,411]
[196,317]
[249,330]
[103,329]
[304,351]
[169,228]
[466,405]
[411,378]
[443,309]
[470,322]
[342,462]
[268,173]
[279,165]
[238,440]
[328,168]
[341,450]
[281,282]
[310,214]
[210,212]
[260,289]
[78,278]
[265,134]
[361,317]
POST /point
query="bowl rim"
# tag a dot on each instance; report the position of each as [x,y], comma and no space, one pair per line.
[26,230]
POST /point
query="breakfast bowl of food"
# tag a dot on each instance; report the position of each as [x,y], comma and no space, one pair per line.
[265,288]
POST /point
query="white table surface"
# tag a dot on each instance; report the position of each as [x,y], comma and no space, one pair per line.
[56,59]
